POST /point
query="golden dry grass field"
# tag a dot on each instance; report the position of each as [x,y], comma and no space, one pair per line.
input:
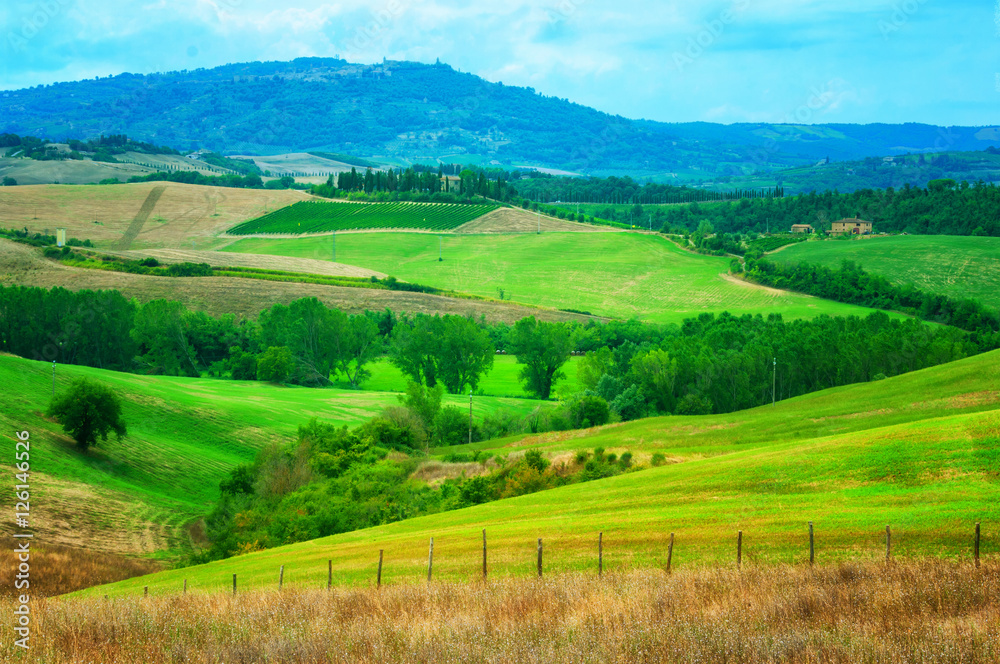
[185,216]
[919,612]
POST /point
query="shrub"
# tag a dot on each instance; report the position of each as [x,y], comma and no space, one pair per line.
[589,411]
[500,424]
[658,459]
[625,460]
[692,404]
[451,426]
[630,404]
[534,459]
[275,364]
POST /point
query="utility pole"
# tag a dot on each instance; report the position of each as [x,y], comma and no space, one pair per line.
[470,416]
[774,382]
[53,379]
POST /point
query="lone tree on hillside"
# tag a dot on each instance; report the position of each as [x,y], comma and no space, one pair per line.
[87,410]
[543,348]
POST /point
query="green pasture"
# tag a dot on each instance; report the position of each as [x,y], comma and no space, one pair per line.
[918,452]
[949,265]
[501,381]
[184,434]
[622,275]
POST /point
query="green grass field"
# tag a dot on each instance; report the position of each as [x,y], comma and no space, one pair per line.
[185,434]
[502,380]
[321,217]
[956,266]
[919,452]
[623,275]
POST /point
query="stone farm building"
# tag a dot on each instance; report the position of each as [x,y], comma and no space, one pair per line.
[851,227]
[802,228]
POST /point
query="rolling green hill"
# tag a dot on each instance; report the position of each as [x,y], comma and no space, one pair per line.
[918,452]
[623,275]
[141,495]
[956,266]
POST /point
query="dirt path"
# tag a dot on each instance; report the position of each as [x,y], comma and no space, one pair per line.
[749,284]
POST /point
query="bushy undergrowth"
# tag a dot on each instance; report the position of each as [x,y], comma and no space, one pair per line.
[334,480]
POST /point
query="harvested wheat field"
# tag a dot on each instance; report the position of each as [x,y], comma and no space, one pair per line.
[184,215]
[264,262]
[514,220]
[921,611]
[24,266]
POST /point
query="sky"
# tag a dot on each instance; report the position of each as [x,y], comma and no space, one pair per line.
[808,61]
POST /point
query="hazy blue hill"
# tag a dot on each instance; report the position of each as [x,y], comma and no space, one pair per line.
[418,111]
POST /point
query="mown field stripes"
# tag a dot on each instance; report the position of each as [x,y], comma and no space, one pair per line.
[320,217]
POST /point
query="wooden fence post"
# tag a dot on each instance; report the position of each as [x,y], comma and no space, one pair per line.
[185,586]
[430,561]
[234,584]
[670,552]
[145,591]
[888,543]
[600,554]
[378,579]
[281,577]
[812,545]
[739,549]
[329,574]
[539,557]
[975,551]
[484,554]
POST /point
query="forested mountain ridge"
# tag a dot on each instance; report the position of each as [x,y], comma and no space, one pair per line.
[412,111]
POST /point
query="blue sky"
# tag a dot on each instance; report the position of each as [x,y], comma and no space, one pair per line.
[931,61]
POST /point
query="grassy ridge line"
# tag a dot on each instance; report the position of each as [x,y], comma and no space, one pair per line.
[917,451]
[618,275]
[961,267]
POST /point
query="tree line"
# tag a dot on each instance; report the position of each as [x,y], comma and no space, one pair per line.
[850,283]
[708,364]
[944,207]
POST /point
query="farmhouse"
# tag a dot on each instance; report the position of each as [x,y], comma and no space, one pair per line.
[451,183]
[851,226]
[802,228]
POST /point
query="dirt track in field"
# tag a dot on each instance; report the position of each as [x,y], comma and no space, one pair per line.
[24,265]
[262,261]
[184,215]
